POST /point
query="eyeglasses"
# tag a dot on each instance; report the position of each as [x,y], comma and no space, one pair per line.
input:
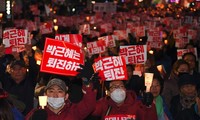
[117,86]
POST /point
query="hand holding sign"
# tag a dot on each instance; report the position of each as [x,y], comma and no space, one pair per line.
[87,74]
[86,70]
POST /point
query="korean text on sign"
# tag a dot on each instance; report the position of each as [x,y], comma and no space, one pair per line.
[134,54]
[111,68]
[96,47]
[15,37]
[61,57]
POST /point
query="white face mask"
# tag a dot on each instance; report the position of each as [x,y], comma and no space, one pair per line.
[56,102]
[118,95]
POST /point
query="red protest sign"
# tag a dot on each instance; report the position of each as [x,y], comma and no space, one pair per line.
[111,68]
[96,47]
[15,39]
[61,57]
[134,54]
[75,39]
[110,40]
[120,117]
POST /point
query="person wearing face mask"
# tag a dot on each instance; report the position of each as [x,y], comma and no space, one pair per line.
[122,104]
[58,105]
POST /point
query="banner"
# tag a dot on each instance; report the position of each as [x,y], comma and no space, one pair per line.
[111,68]
[134,54]
[75,39]
[61,57]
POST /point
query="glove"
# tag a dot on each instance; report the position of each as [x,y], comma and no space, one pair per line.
[39,114]
[147,99]
[86,70]
[95,80]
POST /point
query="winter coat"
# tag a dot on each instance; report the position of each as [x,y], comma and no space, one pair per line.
[72,111]
[131,106]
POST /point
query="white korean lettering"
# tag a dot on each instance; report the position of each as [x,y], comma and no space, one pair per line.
[61,64]
[51,62]
[107,63]
[131,50]
[68,53]
[109,74]
[117,61]
[51,49]
[72,66]
[123,51]
[119,73]
[59,51]
[76,55]
[99,65]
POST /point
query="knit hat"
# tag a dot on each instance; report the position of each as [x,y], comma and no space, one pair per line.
[58,82]
[185,79]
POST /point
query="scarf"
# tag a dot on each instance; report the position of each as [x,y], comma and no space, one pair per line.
[159,106]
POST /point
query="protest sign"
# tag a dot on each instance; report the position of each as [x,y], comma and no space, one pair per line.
[134,54]
[111,68]
[61,57]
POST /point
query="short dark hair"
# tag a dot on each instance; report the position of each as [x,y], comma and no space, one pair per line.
[189,53]
[107,83]
[178,63]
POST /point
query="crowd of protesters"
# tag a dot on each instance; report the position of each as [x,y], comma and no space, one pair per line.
[174,93]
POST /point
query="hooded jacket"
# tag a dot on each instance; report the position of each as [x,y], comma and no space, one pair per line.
[72,111]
